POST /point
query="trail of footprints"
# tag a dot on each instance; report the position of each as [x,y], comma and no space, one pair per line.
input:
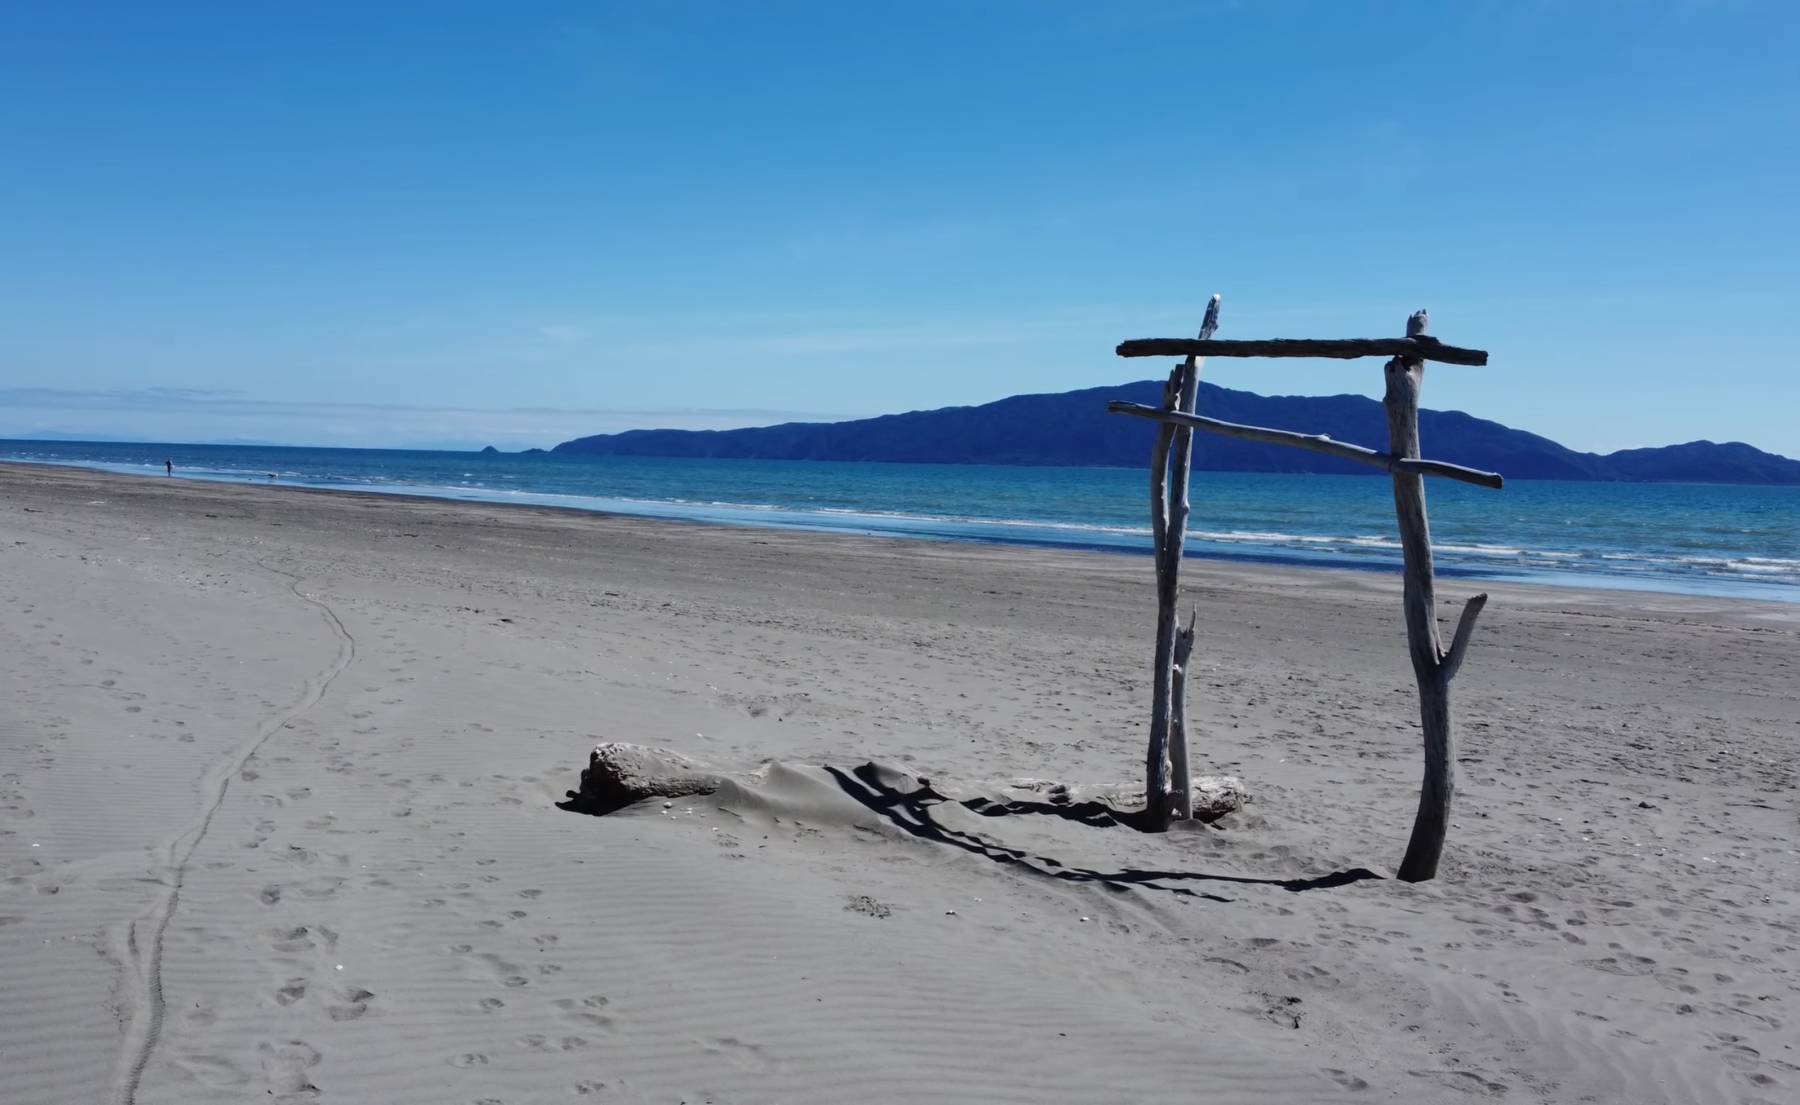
[562,1024]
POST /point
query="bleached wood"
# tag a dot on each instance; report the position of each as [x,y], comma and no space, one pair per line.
[1340,349]
[1157,802]
[1180,465]
[1465,626]
[1178,723]
[1166,758]
[1318,443]
[1432,666]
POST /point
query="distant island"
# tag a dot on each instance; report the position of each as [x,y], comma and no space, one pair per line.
[1072,429]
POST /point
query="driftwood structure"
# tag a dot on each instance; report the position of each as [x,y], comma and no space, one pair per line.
[1434,666]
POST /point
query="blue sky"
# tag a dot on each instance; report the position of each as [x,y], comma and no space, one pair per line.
[455,223]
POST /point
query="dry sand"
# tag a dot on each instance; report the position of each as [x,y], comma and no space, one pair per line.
[277,822]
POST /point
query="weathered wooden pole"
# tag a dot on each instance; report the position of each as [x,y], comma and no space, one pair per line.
[1178,725]
[1166,775]
[1433,667]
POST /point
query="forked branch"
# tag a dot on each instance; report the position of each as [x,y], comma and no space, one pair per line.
[1465,628]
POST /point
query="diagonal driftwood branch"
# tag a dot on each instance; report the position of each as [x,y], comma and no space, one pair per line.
[1418,347]
[1318,443]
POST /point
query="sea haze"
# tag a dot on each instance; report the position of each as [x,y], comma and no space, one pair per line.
[1688,538]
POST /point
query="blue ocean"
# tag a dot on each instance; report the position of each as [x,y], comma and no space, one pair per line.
[1686,538]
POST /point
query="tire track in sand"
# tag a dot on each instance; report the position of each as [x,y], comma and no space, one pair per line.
[139,943]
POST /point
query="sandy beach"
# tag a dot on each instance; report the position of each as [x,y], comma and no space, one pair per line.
[278,774]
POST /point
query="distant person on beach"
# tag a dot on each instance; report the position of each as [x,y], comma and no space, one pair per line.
[170,465]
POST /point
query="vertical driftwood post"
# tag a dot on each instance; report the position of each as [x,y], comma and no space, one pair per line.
[1178,726]
[1166,774]
[1433,667]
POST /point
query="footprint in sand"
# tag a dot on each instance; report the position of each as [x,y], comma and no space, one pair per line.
[745,1056]
[302,939]
[290,992]
[354,1003]
[583,1012]
[321,887]
[1318,976]
[1467,1081]
[496,969]
[212,1070]
[1621,965]
[286,1066]
[535,1042]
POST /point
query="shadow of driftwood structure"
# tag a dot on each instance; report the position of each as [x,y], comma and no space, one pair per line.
[620,776]
[1434,666]
[913,812]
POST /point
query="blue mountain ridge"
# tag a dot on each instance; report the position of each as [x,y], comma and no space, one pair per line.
[1073,429]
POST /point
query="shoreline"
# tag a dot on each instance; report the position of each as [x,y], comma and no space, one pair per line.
[341,722]
[902,526]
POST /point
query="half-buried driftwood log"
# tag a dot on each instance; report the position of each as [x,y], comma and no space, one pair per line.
[619,774]
[1213,796]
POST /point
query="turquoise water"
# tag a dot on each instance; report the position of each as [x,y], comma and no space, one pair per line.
[1688,538]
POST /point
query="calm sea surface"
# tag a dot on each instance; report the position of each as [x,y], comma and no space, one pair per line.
[1691,538]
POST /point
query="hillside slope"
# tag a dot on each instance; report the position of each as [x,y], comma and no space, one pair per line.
[1073,428]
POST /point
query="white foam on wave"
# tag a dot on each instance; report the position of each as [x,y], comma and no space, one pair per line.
[1710,571]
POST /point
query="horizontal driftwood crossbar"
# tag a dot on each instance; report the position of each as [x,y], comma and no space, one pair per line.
[1318,443]
[1343,349]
